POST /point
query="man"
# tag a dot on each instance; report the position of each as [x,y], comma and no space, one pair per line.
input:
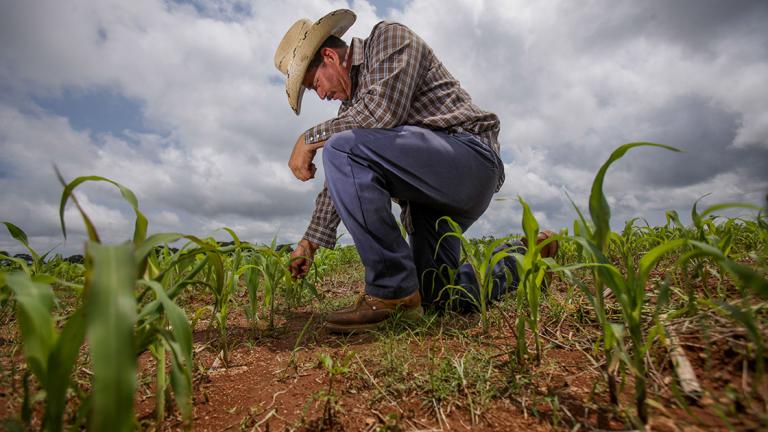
[405,131]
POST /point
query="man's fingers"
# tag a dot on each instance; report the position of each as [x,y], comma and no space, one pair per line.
[302,174]
[299,267]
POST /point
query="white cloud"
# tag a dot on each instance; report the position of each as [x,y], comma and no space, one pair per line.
[567,93]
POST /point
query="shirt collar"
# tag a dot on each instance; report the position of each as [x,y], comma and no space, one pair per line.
[358,52]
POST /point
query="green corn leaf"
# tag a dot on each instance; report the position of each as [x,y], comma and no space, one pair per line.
[18,261]
[34,302]
[187,256]
[580,226]
[181,380]
[149,244]
[746,317]
[111,310]
[140,225]
[180,340]
[598,205]
[214,259]
[672,216]
[61,362]
[747,276]
[707,249]
[148,310]
[19,234]
[236,262]
[236,238]
[530,225]
[698,218]
[93,235]
[649,260]
[722,206]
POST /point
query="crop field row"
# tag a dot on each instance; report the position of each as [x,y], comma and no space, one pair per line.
[660,327]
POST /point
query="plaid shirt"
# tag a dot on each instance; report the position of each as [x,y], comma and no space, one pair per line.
[397,80]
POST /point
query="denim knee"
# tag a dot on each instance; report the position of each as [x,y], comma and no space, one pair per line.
[341,141]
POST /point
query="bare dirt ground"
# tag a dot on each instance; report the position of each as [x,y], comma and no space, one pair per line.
[443,373]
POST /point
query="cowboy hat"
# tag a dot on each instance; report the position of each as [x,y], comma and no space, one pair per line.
[300,44]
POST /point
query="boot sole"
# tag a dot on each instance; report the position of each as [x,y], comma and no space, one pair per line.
[410,315]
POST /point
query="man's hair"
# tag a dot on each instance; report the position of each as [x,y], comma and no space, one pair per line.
[332,42]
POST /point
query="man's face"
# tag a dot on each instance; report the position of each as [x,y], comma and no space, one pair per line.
[331,79]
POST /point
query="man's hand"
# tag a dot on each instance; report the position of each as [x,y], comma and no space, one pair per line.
[301,259]
[300,162]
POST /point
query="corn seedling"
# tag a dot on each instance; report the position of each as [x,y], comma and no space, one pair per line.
[711,245]
[482,258]
[531,269]
[629,290]
[272,267]
[109,317]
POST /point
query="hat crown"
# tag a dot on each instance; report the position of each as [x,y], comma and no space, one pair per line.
[290,42]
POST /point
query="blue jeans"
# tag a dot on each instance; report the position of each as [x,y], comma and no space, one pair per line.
[437,173]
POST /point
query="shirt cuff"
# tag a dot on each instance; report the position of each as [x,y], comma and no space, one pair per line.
[321,237]
[318,133]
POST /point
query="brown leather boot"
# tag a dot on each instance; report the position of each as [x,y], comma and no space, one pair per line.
[369,312]
[549,251]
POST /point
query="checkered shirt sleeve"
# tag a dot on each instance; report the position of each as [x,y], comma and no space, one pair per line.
[325,220]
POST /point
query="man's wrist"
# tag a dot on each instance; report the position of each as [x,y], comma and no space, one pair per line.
[309,246]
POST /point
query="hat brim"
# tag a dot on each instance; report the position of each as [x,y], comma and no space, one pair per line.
[335,23]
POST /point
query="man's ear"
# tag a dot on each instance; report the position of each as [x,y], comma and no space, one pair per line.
[330,52]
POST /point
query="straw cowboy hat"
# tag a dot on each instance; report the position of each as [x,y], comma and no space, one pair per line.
[300,44]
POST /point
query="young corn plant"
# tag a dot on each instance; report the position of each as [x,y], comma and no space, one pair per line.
[483,258]
[715,245]
[531,269]
[117,330]
[108,316]
[19,235]
[272,266]
[223,293]
[252,278]
[629,288]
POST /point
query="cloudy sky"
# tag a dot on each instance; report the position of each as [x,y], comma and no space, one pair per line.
[180,101]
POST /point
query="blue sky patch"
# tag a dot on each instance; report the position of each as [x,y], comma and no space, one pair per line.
[385,7]
[97,110]
[275,79]
[233,10]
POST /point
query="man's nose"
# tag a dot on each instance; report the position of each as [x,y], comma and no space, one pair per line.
[320,93]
